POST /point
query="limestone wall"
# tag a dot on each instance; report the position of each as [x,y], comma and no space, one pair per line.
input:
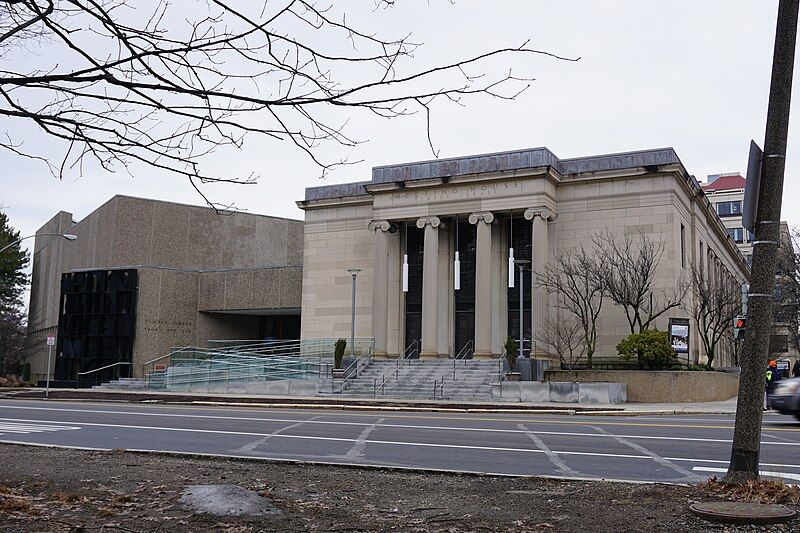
[659,386]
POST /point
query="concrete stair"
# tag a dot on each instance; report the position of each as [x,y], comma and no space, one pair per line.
[123,384]
[414,380]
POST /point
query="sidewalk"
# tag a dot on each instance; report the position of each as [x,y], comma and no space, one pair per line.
[727,407]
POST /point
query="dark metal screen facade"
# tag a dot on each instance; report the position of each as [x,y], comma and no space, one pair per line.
[96,324]
[520,240]
[466,243]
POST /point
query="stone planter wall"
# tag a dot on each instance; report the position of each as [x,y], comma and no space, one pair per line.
[646,386]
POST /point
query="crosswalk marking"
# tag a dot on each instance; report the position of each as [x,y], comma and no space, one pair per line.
[24,429]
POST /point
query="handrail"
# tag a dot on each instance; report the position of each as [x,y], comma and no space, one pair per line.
[461,355]
[79,374]
[368,355]
[407,353]
[102,368]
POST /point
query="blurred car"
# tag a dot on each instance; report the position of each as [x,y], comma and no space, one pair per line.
[785,398]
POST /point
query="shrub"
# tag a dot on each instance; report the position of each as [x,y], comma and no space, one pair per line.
[338,352]
[512,351]
[651,348]
[26,372]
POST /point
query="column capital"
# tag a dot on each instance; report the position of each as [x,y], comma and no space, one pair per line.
[383,225]
[434,222]
[545,212]
[485,216]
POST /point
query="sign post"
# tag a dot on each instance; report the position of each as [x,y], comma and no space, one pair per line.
[679,336]
[51,341]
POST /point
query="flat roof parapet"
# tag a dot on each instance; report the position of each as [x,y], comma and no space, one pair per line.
[529,158]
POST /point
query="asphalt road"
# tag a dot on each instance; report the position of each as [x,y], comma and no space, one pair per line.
[667,449]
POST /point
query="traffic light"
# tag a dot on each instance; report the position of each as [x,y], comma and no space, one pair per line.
[739,324]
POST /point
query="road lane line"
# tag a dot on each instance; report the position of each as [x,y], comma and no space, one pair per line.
[560,465]
[641,449]
[359,448]
[481,430]
[785,475]
[251,447]
[455,416]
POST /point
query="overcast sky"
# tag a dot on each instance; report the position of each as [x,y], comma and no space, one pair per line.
[691,74]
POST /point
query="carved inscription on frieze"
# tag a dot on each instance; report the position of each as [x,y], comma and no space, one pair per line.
[456,192]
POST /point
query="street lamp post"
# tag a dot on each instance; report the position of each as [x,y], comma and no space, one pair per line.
[67,236]
[353,272]
[521,265]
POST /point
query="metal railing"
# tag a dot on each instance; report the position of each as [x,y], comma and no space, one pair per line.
[365,358]
[112,365]
[462,355]
[410,350]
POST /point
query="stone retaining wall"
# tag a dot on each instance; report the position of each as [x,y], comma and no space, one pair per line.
[646,386]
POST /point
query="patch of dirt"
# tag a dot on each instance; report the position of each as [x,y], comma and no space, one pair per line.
[49,489]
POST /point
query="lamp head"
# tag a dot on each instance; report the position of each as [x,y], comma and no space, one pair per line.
[69,236]
[353,271]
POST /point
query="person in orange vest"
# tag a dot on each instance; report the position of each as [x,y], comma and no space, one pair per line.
[773,377]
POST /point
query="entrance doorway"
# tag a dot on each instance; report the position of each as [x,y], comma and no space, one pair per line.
[464,326]
[415,243]
[520,240]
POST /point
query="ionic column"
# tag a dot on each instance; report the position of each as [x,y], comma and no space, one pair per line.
[430,287]
[380,286]
[539,216]
[483,284]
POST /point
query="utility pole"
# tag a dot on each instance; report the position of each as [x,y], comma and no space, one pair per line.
[755,351]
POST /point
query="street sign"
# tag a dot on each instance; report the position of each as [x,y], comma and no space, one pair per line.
[752,186]
[51,340]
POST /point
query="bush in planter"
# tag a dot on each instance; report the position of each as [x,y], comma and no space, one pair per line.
[512,351]
[338,353]
[651,348]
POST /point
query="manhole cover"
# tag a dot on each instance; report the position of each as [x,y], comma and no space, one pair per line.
[226,500]
[743,513]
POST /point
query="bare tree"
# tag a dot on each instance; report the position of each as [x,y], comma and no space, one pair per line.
[786,311]
[578,289]
[563,339]
[628,267]
[714,304]
[165,84]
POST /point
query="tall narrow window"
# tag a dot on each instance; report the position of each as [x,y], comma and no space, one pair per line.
[683,246]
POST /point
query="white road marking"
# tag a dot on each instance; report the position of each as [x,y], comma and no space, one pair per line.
[641,449]
[401,426]
[24,429]
[251,446]
[553,457]
[391,443]
[785,475]
[358,449]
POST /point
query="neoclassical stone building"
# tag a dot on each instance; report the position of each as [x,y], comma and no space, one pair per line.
[434,239]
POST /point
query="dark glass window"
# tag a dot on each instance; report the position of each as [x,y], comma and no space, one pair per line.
[737,234]
[729,209]
[96,324]
[520,240]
